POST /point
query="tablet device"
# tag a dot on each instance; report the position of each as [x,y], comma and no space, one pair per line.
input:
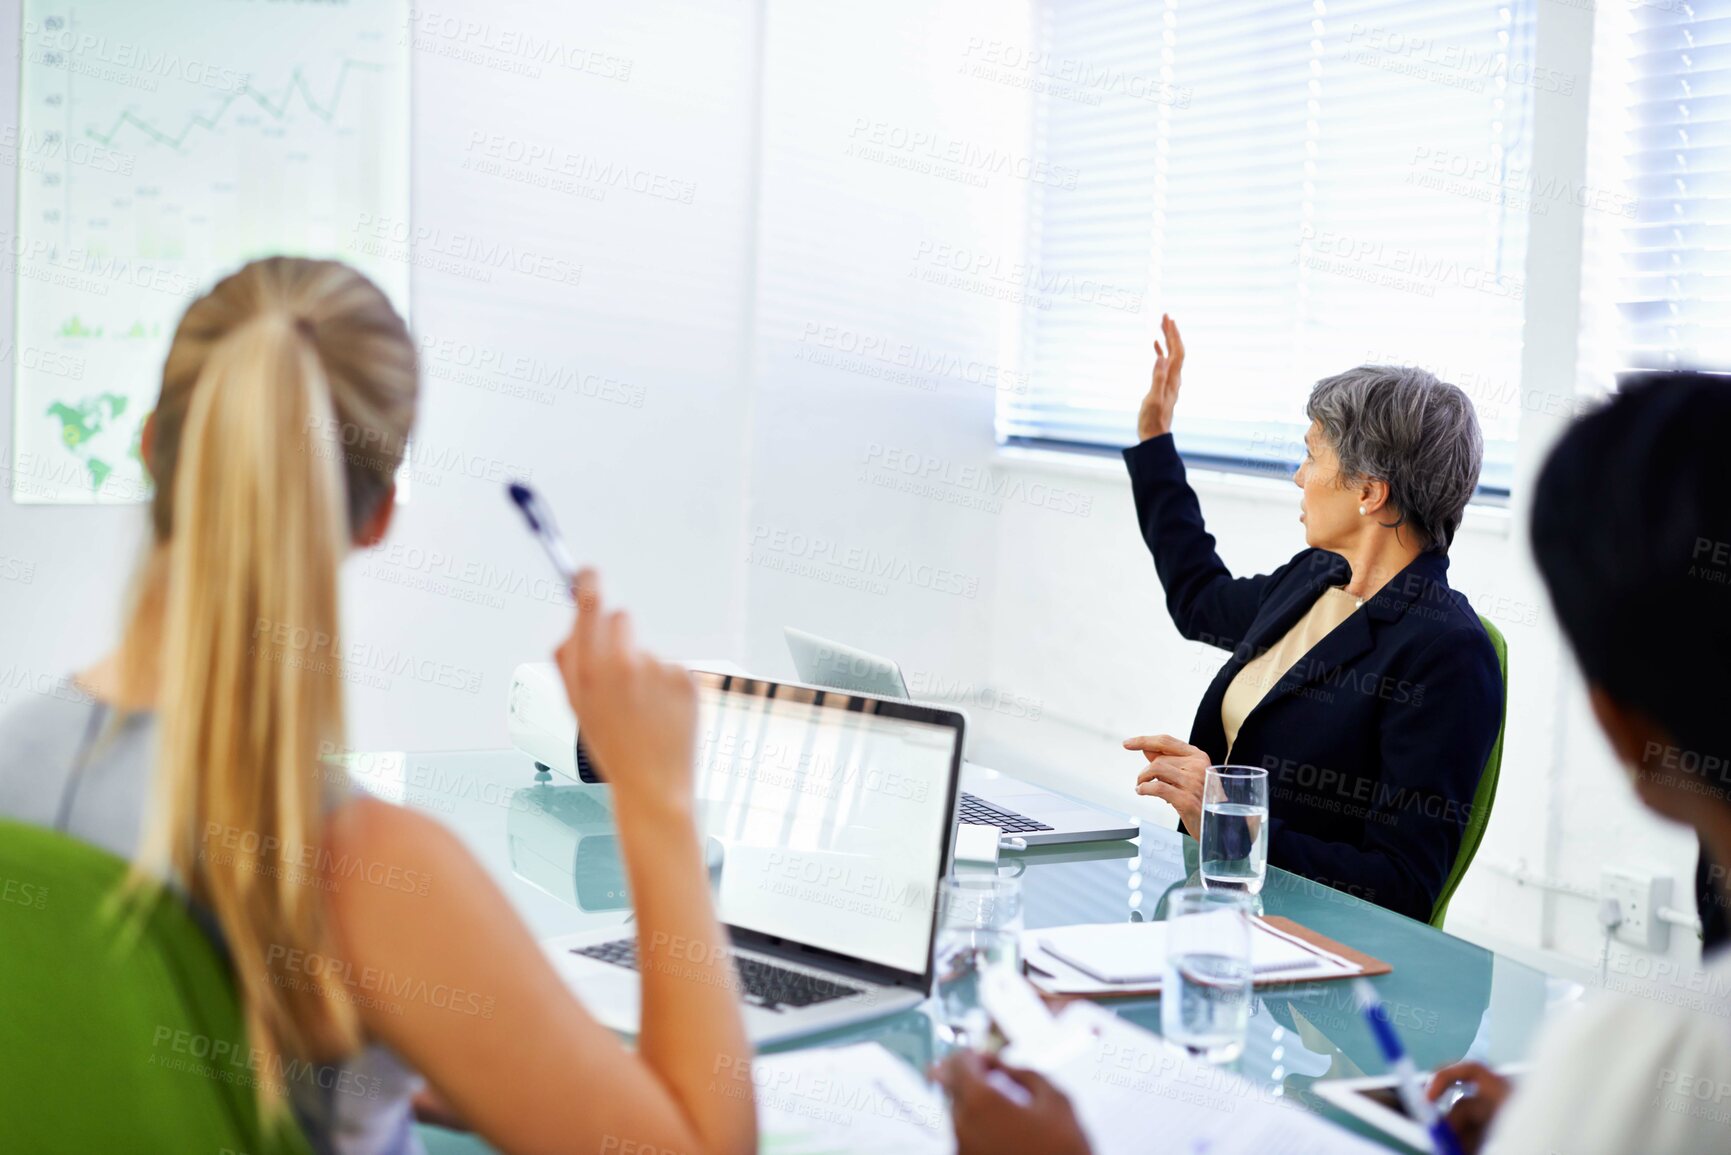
[1375,1099]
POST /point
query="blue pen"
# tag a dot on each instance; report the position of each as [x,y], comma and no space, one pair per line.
[1442,1137]
[541,525]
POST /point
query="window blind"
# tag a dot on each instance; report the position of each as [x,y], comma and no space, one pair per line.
[1671,64]
[1306,186]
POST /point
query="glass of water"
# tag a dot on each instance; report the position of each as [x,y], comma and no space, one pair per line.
[1235,828]
[980,923]
[1205,987]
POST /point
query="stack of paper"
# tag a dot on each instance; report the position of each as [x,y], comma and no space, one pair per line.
[1135,1093]
[1128,957]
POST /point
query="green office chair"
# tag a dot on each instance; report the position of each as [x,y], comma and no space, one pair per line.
[1486,794]
[109,1043]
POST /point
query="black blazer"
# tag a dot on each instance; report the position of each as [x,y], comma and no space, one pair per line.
[1374,741]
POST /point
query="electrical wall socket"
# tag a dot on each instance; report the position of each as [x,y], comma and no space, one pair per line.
[1639,894]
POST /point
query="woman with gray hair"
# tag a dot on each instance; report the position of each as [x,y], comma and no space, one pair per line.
[1359,680]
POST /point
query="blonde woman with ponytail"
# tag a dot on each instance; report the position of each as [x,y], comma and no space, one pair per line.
[287,400]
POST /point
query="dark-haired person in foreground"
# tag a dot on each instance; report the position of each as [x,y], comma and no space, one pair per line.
[1359,680]
[1632,532]
[1631,526]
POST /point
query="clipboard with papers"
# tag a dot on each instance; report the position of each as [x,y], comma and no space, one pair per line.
[1108,959]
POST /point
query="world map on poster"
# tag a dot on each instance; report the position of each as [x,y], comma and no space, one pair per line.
[158,147]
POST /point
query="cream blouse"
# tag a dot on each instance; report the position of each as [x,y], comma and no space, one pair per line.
[1264,671]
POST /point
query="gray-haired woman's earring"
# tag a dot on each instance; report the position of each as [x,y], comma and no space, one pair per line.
[1361,511]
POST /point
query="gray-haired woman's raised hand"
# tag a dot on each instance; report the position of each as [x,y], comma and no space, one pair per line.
[1155,417]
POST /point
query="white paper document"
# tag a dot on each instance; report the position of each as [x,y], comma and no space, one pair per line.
[1135,1094]
[1102,958]
[843,1100]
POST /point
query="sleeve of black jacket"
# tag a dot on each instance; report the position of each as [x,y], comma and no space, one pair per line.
[1206,602]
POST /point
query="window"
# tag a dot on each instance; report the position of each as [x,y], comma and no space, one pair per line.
[1657,287]
[1306,186]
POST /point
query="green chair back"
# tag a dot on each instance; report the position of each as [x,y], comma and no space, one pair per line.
[112,1041]
[1486,793]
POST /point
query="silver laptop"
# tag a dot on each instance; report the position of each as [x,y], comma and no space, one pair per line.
[1026,814]
[831,816]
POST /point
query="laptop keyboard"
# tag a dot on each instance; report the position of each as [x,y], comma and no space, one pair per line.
[766,985]
[977,811]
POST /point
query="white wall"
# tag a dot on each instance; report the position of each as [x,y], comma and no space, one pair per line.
[862,365]
[652,494]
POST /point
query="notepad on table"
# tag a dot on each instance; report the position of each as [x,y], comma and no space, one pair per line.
[1127,957]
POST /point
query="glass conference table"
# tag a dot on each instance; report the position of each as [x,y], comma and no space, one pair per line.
[548,841]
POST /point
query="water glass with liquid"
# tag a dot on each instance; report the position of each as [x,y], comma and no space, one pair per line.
[979,929]
[1205,987]
[1235,828]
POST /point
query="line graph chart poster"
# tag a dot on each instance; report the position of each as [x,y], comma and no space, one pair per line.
[163,145]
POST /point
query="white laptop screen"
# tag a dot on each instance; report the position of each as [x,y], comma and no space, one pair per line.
[833,814]
[825,663]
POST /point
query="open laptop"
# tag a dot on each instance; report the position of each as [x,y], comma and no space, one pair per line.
[1026,814]
[832,817]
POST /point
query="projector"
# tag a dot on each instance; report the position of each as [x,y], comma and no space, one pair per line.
[541,724]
